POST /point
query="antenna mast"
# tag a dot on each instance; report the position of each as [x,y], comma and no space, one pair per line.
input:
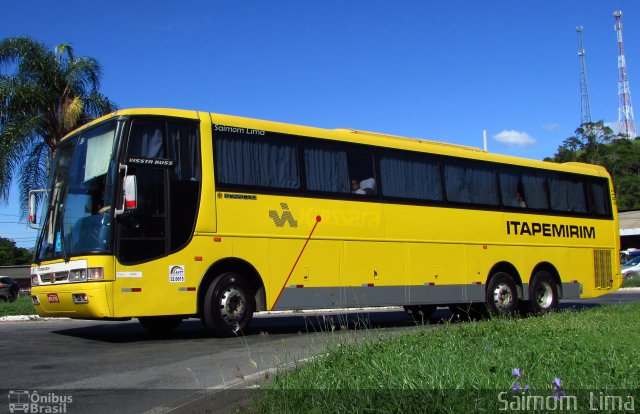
[584,91]
[626,124]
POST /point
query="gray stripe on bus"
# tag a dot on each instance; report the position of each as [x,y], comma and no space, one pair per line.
[365,296]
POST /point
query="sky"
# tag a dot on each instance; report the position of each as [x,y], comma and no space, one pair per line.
[439,70]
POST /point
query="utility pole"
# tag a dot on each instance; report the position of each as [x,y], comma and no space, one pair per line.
[626,124]
[584,90]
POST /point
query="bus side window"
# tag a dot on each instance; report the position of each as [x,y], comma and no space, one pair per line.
[326,169]
[361,167]
[470,183]
[343,169]
[410,176]
[146,140]
[567,195]
[521,188]
[601,202]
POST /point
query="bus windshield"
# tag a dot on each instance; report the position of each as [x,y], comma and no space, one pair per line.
[78,208]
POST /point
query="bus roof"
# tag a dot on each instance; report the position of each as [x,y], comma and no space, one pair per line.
[361,137]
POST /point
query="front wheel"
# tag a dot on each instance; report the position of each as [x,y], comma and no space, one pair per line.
[228,305]
[502,294]
[543,293]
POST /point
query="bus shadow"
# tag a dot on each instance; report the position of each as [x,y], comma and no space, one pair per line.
[282,324]
[569,306]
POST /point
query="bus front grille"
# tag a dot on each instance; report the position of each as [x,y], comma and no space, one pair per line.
[602,269]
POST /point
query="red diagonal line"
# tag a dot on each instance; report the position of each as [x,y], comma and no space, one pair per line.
[318,218]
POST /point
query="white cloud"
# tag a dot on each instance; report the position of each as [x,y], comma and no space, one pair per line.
[513,138]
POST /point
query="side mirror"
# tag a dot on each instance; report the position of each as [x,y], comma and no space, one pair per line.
[129,192]
[33,206]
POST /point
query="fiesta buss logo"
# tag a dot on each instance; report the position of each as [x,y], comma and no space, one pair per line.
[32,402]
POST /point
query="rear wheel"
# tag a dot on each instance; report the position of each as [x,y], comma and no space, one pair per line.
[160,324]
[502,294]
[543,293]
[228,305]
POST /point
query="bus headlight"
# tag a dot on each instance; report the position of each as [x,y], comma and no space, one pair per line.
[78,275]
[35,280]
[82,275]
[95,273]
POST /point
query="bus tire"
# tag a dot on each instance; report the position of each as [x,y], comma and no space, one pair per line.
[420,313]
[160,324]
[543,293]
[228,305]
[502,295]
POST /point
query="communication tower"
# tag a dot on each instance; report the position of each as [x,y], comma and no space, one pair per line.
[584,91]
[626,124]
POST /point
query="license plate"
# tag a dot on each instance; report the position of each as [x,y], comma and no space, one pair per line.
[53,298]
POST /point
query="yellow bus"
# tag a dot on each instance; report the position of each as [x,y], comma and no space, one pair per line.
[162,215]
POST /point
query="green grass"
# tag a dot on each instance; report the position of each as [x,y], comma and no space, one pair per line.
[631,282]
[464,367]
[22,306]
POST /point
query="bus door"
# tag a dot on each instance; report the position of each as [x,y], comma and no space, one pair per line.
[153,273]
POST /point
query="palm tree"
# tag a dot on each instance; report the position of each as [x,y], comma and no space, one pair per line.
[44,95]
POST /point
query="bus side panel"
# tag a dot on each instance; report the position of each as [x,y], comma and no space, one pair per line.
[165,286]
[374,273]
[287,222]
[434,273]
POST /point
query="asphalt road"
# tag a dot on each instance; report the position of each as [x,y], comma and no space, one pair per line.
[119,366]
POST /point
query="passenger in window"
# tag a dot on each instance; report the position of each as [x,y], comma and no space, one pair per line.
[520,200]
[355,187]
[368,186]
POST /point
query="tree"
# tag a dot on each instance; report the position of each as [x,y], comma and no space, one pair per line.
[586,146]
[595,143]
[43,96]
[10,255]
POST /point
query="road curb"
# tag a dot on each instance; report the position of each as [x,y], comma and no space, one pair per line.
[22,318]
[231,397]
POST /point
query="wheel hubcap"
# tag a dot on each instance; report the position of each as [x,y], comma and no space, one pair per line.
[233,305]
[544,295]
[502,297]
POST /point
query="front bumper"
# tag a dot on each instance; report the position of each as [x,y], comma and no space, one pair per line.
[57,300]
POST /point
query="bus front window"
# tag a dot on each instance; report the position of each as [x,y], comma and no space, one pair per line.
[78,219]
